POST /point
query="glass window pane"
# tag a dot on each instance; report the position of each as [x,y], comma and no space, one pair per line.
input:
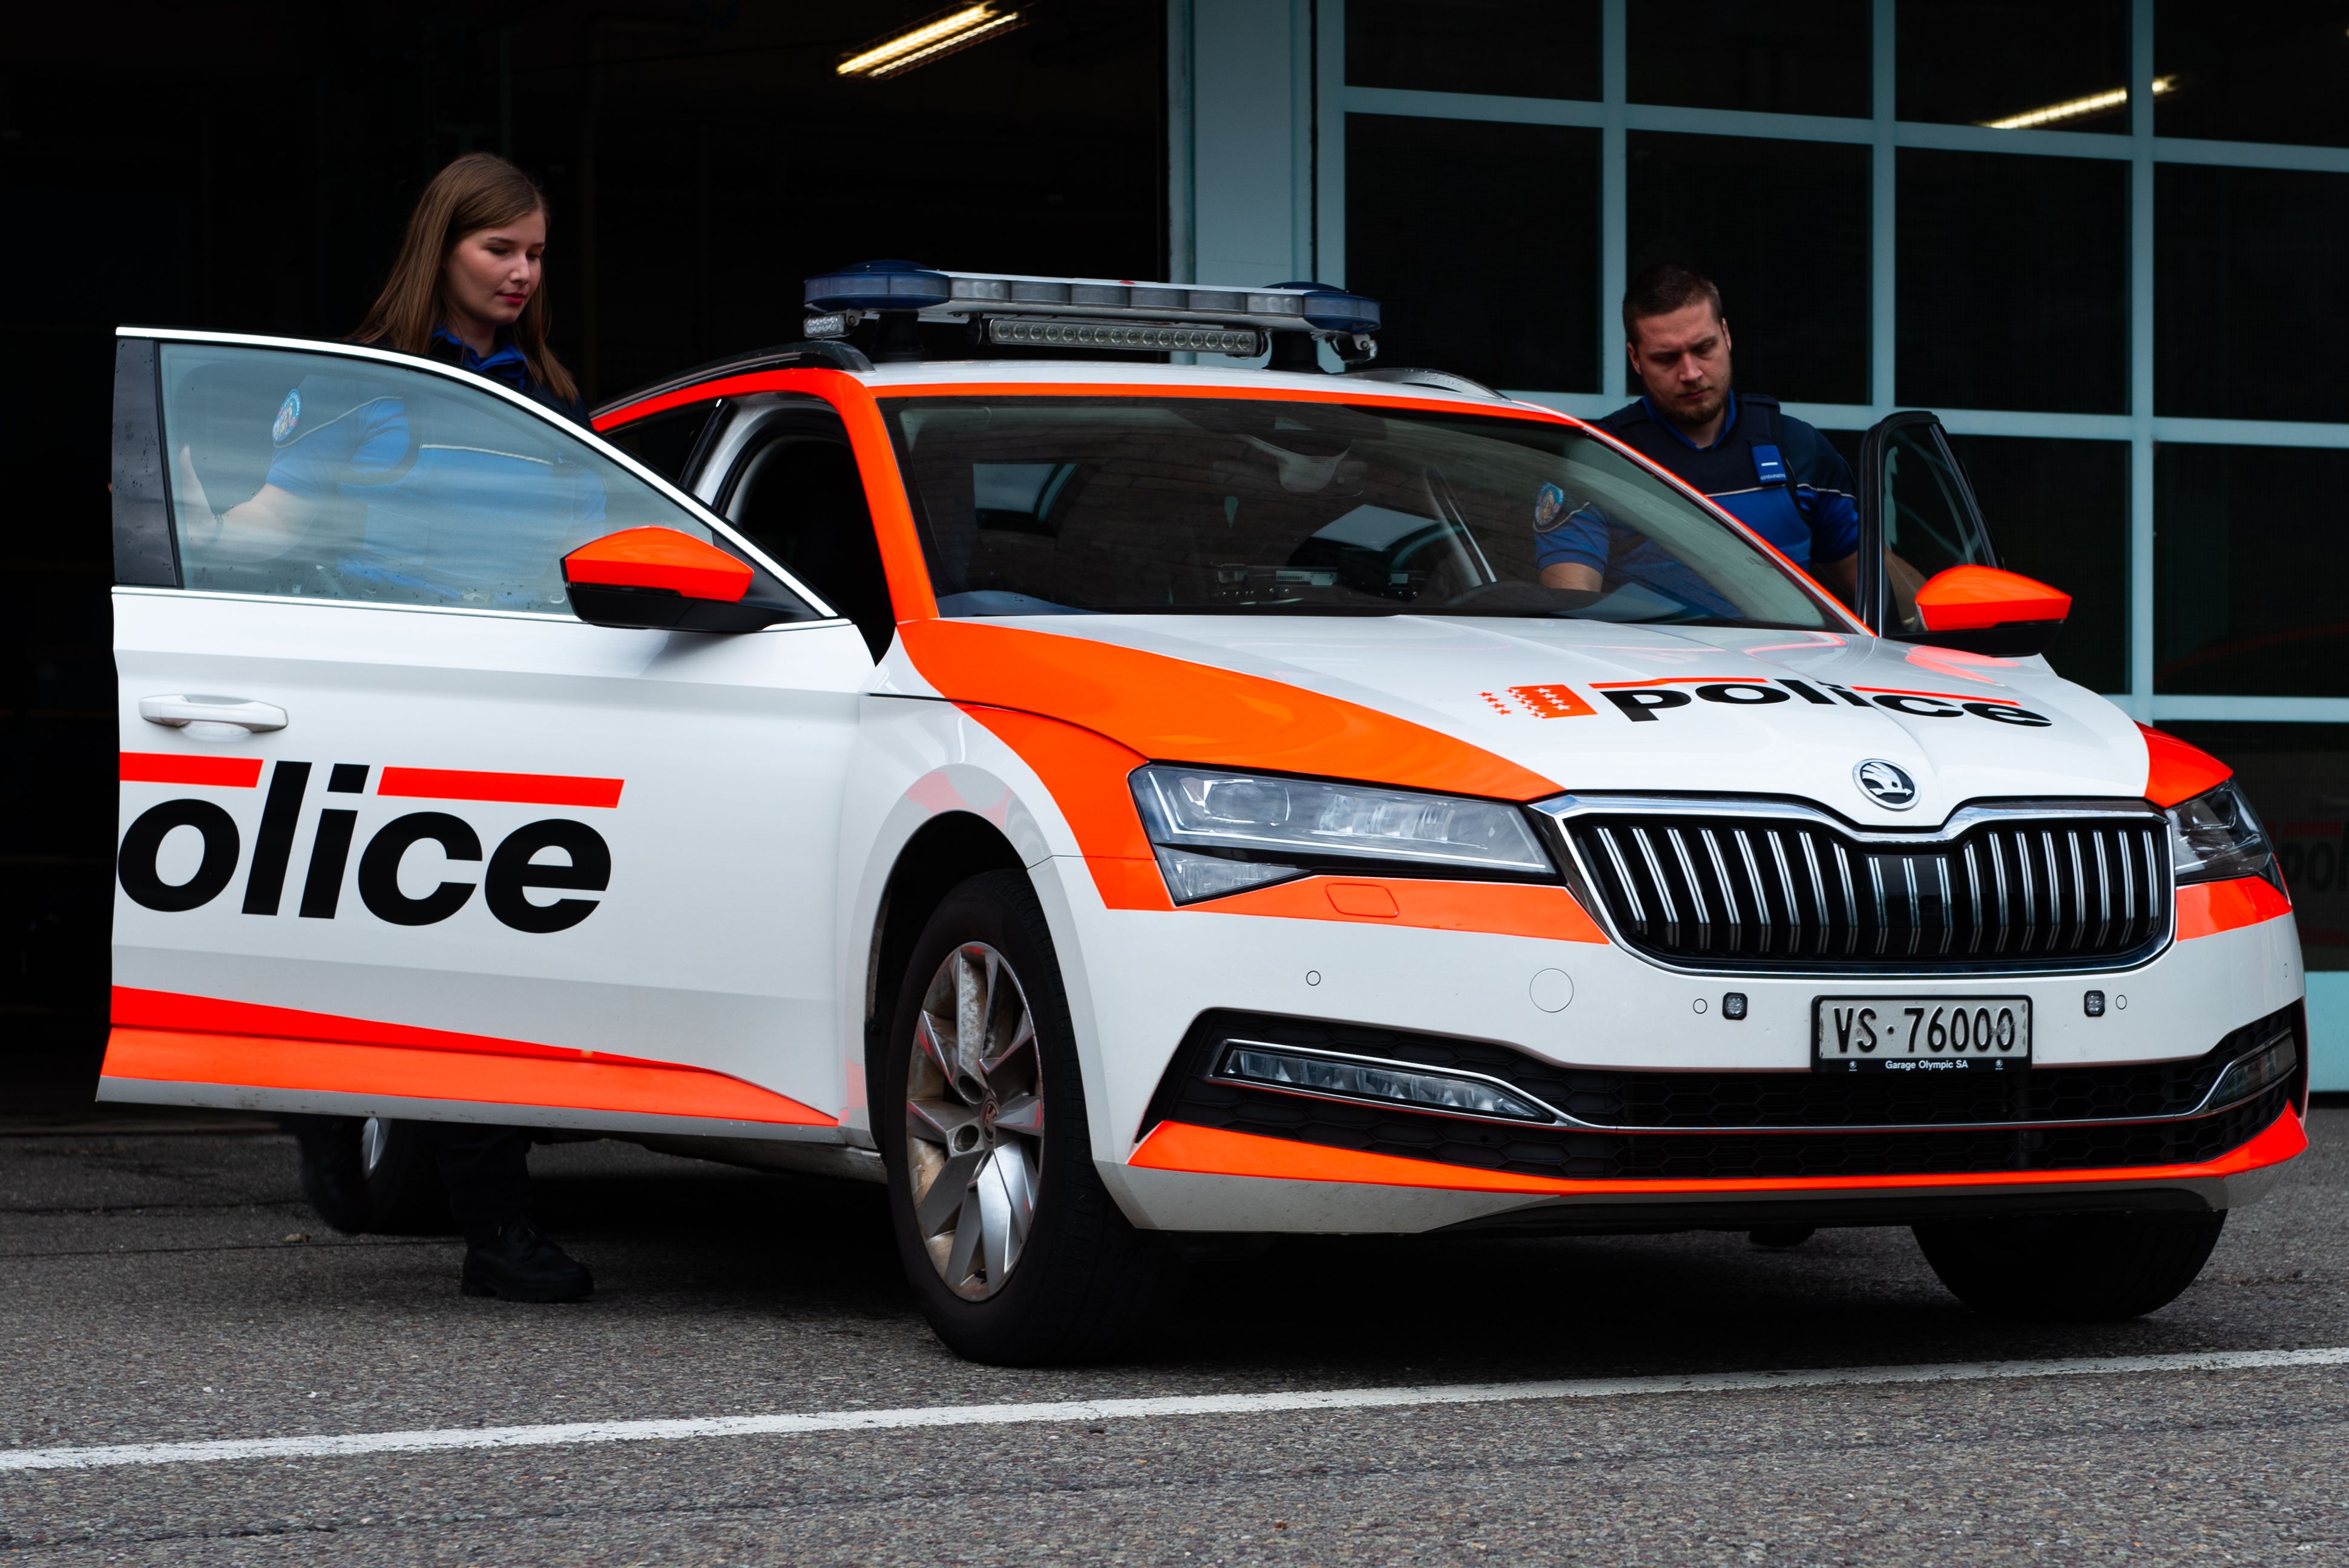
[1481,241]
[1974,62]
[314,476]
[2251,547]
[1796,56]
[2250,319]
[664,442]
[1718,204]
[2297,775]
[1519,48]
[2275,73]
[2058,511]
[2013,282]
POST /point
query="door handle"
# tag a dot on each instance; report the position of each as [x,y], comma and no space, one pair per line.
[196,708]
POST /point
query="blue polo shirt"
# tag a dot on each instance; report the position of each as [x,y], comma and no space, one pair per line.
[1771,472]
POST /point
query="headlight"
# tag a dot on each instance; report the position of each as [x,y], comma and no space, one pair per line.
[2216,835]
[1218,832]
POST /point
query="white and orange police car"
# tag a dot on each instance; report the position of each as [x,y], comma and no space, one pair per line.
[1109,798]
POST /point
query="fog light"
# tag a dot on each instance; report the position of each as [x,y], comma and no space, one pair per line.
[2255,1072]
[1391,1083]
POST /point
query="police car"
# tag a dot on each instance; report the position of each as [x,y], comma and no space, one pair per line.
[1110,802]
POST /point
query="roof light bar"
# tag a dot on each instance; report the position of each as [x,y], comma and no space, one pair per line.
[933,38]
[1044,332]
[1226,316]
[2076,108]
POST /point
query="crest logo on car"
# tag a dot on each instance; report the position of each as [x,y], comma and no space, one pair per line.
[1885,784]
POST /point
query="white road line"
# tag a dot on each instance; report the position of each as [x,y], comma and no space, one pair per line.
[342,1445]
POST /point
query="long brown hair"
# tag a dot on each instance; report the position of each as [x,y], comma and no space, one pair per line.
[479,190]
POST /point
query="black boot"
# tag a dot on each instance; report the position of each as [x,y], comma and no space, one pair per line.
[517,1263]
[333,1179]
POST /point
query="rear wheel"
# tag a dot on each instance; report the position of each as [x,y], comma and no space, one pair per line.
[2080,1268]
[1016,1251]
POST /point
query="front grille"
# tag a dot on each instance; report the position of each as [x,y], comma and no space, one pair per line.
[1792,892]
[1668,1126]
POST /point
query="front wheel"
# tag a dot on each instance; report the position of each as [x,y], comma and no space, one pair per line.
[1016,1251]
[2076,1268]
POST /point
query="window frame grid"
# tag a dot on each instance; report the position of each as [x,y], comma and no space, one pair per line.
[1615,118]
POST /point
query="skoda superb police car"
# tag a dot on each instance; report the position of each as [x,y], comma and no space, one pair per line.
[1109,798]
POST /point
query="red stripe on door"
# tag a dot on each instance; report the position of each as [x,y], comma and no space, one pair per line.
[520,789]
[177,768]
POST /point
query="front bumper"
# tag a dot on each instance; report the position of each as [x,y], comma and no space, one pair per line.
[1182,1155]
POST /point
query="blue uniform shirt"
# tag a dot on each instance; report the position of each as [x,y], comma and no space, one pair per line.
[1771,472]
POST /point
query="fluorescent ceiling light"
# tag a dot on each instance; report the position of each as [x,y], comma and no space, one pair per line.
[938,36]
[2076,108]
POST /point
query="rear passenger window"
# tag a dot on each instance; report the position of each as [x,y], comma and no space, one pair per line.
[798,497]
[664,442]
[317,475]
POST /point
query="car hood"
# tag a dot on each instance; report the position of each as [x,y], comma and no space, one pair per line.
[1525,706]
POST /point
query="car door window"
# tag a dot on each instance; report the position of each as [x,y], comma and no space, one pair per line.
[324,475]
[797,494]
[1926,520]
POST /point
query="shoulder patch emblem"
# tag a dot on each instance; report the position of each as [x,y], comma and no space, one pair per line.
[1549,508]
[289,414]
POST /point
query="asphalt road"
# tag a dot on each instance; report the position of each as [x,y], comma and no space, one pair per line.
[172,1288]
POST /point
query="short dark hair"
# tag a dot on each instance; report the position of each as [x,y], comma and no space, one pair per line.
[1662,289]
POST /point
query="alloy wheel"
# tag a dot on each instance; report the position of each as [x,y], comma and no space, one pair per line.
[974,1121]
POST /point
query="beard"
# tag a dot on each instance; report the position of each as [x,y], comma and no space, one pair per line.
[1699,412]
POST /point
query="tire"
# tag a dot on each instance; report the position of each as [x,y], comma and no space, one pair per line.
[2074,1268]
[405,1194]
[969,1153]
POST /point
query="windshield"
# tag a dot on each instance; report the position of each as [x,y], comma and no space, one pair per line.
[1220,506]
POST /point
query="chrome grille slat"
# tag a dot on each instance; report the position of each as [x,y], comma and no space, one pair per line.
[1818,888]
[1663,889]
[1973,898]
[1850,904]
[1786,887]
[1749,892]
[1703,916]
[1727,885]
[1623,877]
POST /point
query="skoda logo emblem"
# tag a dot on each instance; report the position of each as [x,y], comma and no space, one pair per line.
[1887,786]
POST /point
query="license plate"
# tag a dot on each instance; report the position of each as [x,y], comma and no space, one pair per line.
[1921,1034]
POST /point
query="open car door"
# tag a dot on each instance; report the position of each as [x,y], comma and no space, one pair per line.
[1918,518]
[405,834]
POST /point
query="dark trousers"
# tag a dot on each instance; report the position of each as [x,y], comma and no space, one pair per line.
[486,1170]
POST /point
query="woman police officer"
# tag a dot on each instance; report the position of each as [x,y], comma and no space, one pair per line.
[465,291]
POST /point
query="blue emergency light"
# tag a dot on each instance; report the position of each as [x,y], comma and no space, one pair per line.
[1097,312]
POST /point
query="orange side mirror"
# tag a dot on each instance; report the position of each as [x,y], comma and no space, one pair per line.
[1983,610]
[663,578]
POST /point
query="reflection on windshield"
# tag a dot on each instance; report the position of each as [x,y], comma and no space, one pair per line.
[1063,505]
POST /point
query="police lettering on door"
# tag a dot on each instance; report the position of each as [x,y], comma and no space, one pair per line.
[562,855]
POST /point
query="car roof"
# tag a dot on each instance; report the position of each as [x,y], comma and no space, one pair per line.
[1385,383]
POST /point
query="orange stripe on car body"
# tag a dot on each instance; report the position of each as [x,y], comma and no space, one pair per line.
[2205,909]
[2175,772]
[1086,776]
[1174,710]
[517,788]
[329,1066]
[174,767]
[173,1037]
[1497,909]
[1206,1151]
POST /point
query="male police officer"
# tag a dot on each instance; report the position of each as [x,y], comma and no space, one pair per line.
[1768,469]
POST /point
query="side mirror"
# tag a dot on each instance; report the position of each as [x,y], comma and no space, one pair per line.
[658,577]
[1983,610]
